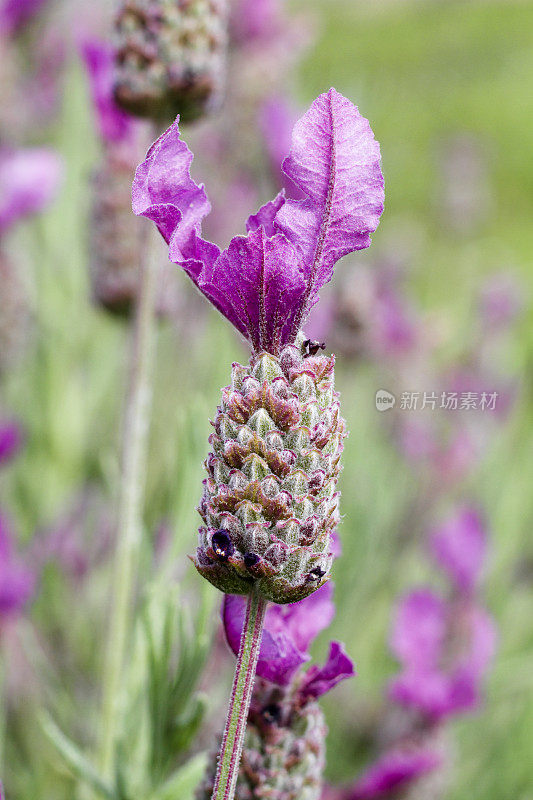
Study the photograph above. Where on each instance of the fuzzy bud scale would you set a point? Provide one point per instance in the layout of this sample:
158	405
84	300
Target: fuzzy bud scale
270	501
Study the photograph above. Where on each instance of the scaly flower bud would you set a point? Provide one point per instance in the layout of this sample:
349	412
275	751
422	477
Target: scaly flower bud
284	749
171	57
270	501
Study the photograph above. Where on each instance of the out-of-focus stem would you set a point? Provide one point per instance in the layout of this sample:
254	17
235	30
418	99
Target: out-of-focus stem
231	749
130	502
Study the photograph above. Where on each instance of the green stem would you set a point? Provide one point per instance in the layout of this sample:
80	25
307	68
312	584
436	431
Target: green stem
130	502
232	741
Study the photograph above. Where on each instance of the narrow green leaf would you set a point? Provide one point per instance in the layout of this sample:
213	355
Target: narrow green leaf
75	760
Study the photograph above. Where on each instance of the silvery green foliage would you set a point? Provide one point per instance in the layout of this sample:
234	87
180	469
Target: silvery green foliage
161	707
170	57
270	500
284	750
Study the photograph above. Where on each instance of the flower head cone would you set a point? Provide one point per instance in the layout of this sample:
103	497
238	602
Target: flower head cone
270	499
171	57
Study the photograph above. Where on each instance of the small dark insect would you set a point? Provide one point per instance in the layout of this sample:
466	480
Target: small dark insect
250	559
316	574
311	348
272	713
222	545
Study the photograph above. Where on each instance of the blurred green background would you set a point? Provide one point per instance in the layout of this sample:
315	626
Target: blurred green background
422	72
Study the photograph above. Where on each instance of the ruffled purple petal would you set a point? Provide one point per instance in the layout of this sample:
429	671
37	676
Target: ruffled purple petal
164	191
419	631
335	161
10	441
320	680
459	547
29	181
394	771
114	124
288	632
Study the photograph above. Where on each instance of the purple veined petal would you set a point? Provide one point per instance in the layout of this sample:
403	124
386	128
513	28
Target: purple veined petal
10	441
164	192
459	546
288	633
320	680
419	630
113	123
394	771
257	283
29	181
265	216
14	14
335	161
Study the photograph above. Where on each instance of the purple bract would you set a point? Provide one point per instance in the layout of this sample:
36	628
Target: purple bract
265	283
288	633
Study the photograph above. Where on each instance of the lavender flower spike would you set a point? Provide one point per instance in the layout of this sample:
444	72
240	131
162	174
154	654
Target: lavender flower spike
270	500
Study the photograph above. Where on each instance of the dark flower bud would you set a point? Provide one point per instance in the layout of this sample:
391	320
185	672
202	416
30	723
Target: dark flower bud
170	57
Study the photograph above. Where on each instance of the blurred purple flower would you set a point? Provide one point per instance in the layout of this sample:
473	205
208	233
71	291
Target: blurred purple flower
393	327
276	122
29	181
255	19
266	283
288	633
115	125
394	772
444	649
17	582
501	300
459	547
14	14
10	440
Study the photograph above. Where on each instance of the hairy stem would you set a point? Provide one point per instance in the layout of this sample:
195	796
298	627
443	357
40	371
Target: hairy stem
231	749
130	502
